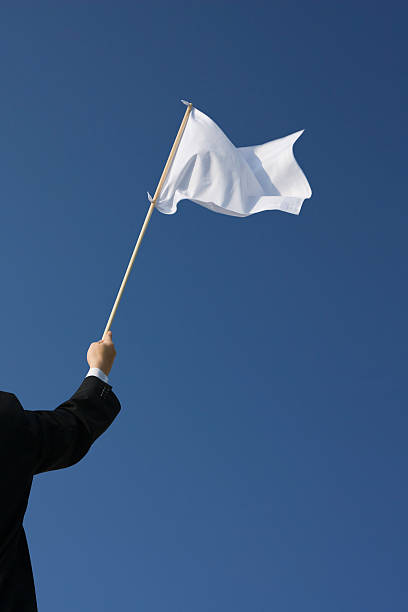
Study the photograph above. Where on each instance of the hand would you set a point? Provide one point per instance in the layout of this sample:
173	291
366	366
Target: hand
101	354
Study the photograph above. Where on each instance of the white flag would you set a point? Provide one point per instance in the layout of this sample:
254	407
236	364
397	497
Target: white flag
209	170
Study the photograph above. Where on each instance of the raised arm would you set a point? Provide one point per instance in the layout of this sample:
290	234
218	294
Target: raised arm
61	437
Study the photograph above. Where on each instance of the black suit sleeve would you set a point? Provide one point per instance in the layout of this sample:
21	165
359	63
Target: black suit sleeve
61	437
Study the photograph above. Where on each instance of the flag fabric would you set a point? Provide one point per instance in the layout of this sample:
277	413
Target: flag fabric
240	181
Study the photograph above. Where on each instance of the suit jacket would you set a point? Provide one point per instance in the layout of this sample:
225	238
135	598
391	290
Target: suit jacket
32	442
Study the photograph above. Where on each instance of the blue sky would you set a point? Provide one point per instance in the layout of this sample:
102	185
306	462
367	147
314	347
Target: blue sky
259	461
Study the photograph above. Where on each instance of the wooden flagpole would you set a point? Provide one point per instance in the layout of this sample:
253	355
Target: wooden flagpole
149	214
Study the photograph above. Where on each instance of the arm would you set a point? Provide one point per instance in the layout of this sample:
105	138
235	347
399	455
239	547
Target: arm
60	438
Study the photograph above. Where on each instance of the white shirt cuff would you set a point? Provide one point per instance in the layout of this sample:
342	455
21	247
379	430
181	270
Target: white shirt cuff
97	372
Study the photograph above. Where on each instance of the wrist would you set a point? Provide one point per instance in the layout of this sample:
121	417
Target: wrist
100	365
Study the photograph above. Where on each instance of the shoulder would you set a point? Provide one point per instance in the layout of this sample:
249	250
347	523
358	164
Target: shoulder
11	411
9	404
13	430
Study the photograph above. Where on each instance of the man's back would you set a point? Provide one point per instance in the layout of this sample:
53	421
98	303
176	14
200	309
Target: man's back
16	580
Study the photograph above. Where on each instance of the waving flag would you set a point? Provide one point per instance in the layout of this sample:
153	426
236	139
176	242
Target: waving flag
205	167
240	181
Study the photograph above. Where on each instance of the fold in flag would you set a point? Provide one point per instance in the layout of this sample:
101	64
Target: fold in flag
240	181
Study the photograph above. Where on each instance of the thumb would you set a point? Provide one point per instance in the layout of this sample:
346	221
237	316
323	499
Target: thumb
107	337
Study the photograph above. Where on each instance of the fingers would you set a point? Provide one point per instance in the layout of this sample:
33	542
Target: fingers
107	338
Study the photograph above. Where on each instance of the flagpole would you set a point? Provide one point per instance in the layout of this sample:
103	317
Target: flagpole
149	214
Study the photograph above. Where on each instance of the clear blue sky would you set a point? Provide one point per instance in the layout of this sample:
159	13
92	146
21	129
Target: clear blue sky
259	462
